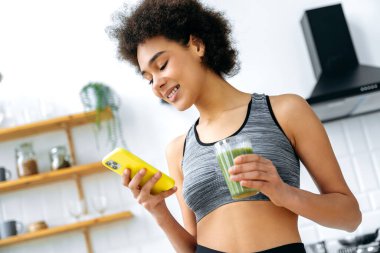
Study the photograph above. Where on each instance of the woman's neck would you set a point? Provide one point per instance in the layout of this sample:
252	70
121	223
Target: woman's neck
217	97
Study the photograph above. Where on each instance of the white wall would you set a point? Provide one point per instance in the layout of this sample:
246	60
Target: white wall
50	49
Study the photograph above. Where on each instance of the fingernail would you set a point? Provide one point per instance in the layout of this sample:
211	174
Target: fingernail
125	172
157	175
142	171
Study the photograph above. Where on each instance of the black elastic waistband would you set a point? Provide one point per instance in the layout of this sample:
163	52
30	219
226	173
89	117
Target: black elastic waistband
293	248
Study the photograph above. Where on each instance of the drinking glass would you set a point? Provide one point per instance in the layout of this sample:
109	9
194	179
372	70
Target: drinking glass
99	202
76	208
226	150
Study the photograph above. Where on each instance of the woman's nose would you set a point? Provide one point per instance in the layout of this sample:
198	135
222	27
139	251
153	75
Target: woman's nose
158	83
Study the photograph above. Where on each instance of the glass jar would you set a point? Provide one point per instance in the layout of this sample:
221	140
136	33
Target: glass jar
26	162
59	158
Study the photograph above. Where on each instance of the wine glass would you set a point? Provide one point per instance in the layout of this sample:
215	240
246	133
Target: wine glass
76	208
99	202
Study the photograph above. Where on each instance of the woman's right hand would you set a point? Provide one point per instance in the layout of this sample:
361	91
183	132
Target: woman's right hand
154	203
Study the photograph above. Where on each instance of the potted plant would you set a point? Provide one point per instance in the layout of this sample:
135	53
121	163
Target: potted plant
98	96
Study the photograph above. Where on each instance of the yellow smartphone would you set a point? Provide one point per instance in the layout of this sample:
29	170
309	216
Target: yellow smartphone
120	159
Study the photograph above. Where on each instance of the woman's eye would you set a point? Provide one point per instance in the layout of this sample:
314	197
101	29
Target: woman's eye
151	82
163	66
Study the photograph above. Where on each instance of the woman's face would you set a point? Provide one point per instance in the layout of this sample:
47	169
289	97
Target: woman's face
174	71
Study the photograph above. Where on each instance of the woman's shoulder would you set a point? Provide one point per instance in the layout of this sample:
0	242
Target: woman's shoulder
292	111
288	101
291	106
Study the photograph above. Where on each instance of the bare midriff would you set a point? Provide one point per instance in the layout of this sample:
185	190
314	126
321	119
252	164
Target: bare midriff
248	226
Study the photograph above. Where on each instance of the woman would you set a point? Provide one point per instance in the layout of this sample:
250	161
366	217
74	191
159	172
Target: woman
184	51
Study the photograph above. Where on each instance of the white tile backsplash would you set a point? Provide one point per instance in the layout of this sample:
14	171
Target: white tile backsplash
355	142
371	129
337	137
355	136
309	233
366	172
364	202
375	200
376	161
349	173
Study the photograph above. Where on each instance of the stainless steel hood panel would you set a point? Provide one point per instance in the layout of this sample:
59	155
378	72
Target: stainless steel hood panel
347	107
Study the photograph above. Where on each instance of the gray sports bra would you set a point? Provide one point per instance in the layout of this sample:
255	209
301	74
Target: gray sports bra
204	188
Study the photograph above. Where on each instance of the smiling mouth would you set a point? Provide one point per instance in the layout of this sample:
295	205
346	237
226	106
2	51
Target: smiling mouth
174	91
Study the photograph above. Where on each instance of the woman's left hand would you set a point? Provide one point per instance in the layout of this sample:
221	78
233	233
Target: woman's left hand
257	172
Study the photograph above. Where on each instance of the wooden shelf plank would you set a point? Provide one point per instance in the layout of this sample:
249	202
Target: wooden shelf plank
65	228
55	124
52	176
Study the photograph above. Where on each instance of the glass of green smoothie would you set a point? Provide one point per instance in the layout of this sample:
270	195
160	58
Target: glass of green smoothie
226	150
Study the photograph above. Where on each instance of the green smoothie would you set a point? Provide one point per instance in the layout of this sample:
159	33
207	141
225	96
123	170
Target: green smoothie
225	161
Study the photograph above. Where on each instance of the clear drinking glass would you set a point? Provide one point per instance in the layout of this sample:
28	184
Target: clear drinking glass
99	202
76	208
226	150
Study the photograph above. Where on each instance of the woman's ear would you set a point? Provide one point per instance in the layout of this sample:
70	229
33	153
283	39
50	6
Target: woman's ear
197	45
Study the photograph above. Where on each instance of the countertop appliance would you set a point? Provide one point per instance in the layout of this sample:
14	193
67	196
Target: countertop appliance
345	88
335	247
373	247
359	244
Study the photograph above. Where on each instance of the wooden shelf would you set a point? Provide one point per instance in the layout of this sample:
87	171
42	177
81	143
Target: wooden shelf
59	123
52	176
82	225
64	123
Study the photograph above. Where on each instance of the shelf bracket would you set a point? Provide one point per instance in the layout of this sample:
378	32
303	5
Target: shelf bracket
88	240
71	143
78	184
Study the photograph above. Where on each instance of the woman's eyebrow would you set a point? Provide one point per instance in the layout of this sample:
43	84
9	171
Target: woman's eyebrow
153	59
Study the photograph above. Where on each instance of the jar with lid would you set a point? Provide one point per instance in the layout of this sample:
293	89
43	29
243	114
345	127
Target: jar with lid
59	158
26	162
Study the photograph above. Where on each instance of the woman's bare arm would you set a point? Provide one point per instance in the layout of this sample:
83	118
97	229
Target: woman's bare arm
182	239
335	206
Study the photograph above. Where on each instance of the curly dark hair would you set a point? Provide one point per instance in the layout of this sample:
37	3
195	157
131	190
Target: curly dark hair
176	20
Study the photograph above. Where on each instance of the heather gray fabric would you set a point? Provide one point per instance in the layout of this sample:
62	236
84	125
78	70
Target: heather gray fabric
204	188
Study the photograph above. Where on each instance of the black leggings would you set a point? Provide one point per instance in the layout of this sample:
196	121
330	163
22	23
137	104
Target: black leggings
293	248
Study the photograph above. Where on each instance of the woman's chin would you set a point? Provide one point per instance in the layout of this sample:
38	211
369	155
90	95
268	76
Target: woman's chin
181	107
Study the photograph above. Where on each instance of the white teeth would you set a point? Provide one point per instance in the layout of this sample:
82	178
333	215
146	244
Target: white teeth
173	92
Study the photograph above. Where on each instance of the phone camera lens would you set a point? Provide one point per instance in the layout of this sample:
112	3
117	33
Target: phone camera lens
114	165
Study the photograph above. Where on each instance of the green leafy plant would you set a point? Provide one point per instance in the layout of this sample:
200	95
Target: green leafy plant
98	96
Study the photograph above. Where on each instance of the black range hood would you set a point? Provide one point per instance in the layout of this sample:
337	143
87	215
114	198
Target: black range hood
345	88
